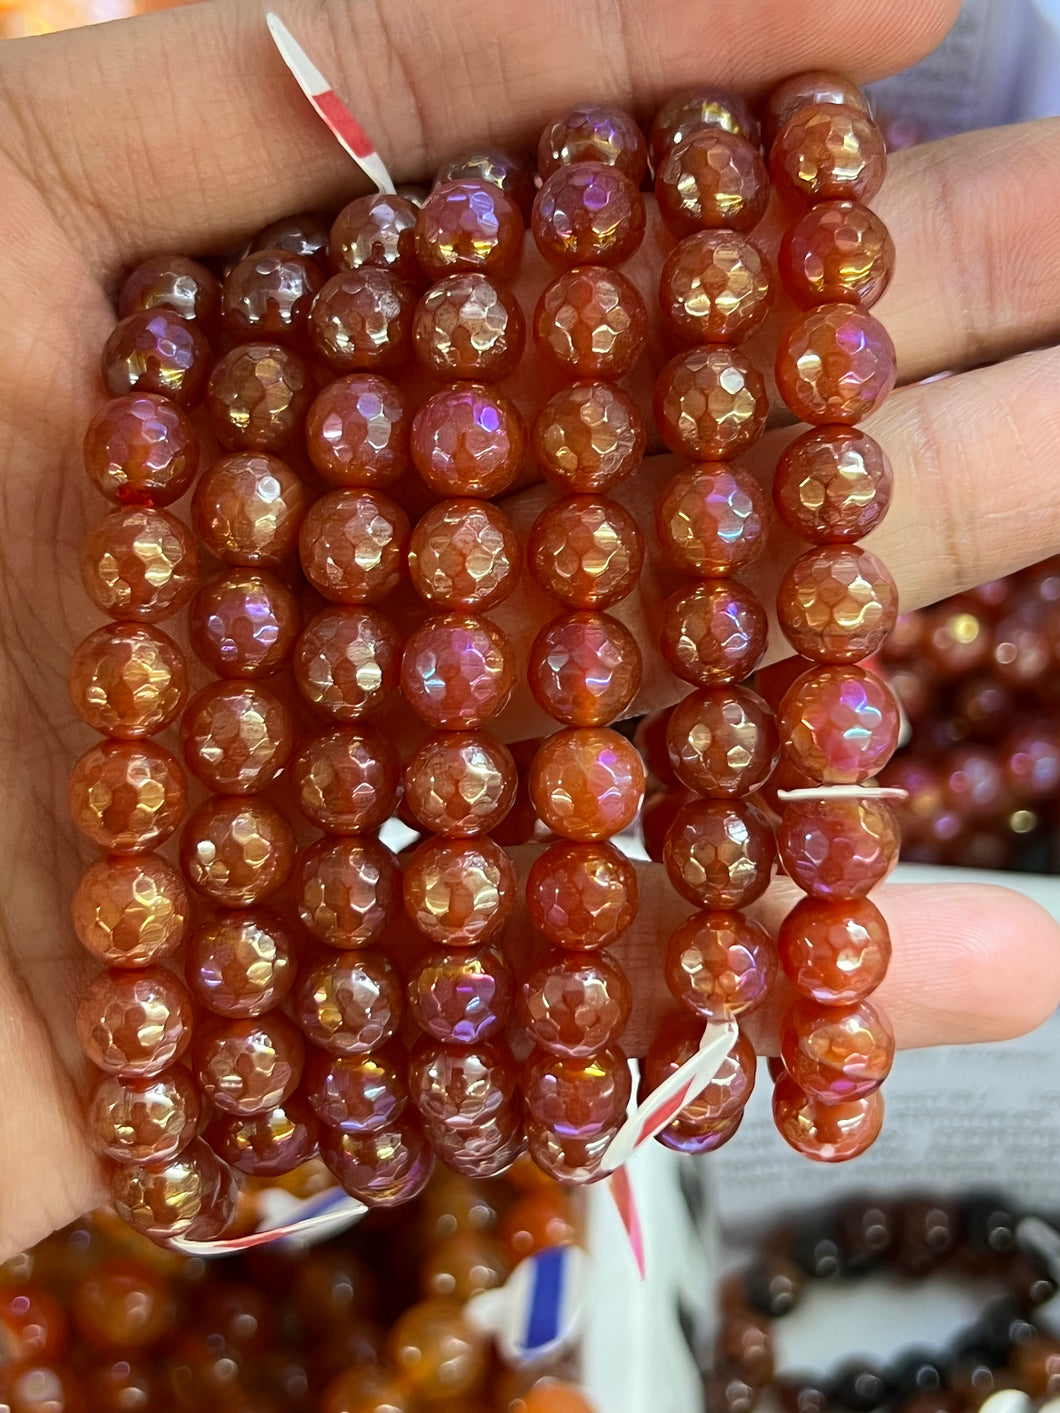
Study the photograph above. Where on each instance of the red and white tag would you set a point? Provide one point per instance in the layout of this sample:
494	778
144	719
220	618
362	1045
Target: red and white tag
286	1218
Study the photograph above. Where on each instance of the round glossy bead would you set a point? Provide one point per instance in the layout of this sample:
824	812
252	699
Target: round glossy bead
357	1093
485	1151
591	322
141	449
134	1023
714	287
269	1143
570	1161
303	234
127	796
258	398
363	319
587	783
719	853
173	282
552	1396
131	912
241	964
469	224
347	662
468	327
724	1098
594	132
128	680
715	179
464	554
722	741
695	110
493	164
236	851
834	953
353	545
833	485
350	1003
839	252
347	890
193	1195
457	671
347	780
837	364
34	1323
461	1087
366	1388
577	1098
575	1006
829	152
156	351
462	997
838	725
244	623
248	508
145	1120
249	1066
381	1169
459	892
267	296
378	230
237	737
838	848
440	1353
585	669
711	520
468	440
139	563
357	431
582	896
836	1053
837	603
713	634
589	436
586	551
460	783
463	1265
720	964
808	90
710	403
588	213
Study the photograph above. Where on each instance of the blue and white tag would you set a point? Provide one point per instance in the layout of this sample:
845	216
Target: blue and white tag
540	1307
287	1221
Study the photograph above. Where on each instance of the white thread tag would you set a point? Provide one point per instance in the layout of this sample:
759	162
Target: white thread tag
286	1218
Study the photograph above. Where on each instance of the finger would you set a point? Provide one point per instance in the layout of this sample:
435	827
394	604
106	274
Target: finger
184	129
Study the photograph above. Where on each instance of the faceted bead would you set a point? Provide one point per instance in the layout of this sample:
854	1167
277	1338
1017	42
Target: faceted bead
829	152
589	436
457	671
175	283
244	623
468	440
710	403
494	165
460	783
348	891
241	964
575	1006
127	796
715	179
570	1161
145	1120
694	111
582	896
128	680
594	132
720	853
363	319
713	634
156	351
347	780
587	783
461	997
357	1093
249	1066
130	913
468	326
237	737
591	322
720	964
461	1087
711	520
353	545
834	952
837	364
459	892
357	431
577	1098
377	230
381	1169
722	741
192	1196
833	485
134	1023
139	563
303	234
588	213
838	725
464	554
586	551
485	1151
808	90
267	296
351	1003
838	848
258	398
469	224
439	1351
836	1053
464	1265
347	662
837	603
248	508
266	1144
839	252
714	287
585	669
724	1098
141	449
236	851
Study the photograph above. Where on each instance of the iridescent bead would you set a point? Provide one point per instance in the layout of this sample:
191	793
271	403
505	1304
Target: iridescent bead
249	1066
267	296
463	996
713	634
439	1351
463	1265
357	1093
363	319
140	563
457	671
835	953
377	230
353	545
833	485
715	179
236	851
575	1006
584	669
468	440
711	520
258	398
714	288
236	737
460	783
143	1120
156	351
357	431
589	436
828	152
141	449
127	796
192	1196
591	322
464	554
303	234
587	783
710	403
244	623
248	508
346	781
482	1153
812	89
677	1040
582	896
696	110
570	1161
838	252
720	964
493	164
128	680
350	1003
381	1169
836	364
469	224
594	132
586	551
459	892
461	1087
720	853
269	1143
132	912
837	603
173	282
468	327
836	1053
838	848
134	1023
577	1098
347	662
838	725
588	213
240	964
722	741
347	890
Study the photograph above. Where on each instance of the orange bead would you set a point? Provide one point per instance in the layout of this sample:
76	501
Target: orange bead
469	224
127	796
367	1388
589	436
591	322
594	132
544	1217
838	725
551	1396
585	669
577	1098
711	520
193	1195
587	783
720	853
347	780
582	896
710	403
588	213
571	1161
485	1151
347	662
134	1023
713	634
462	1087
347	890
714	179
837	364
381	1169
468	327
464	554
141	449
357	431
468	440
266	1144
350	1003
237	851
459	892
720	964
249	1066
464	1265
248	508
156	351
139	563
357	1093
696	110
173	282
124	1304
837	603
144	1119
460	783
722	741
462	996
829	152
377	230
575	1006
724	1098
827	1133
363	319
457	671
258	398
833	485
128	680
838	251
131	912
267	295
353	545
493	164
834	952
237	737
33	1324
836	1053
586	550
808	90
244	623
241	963
714	288
440	1353
838	848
